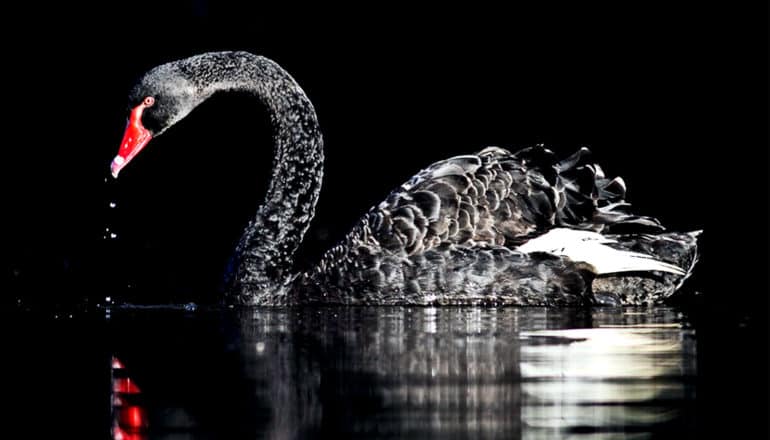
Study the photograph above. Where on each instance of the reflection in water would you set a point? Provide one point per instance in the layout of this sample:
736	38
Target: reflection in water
401	372
605	380
129	417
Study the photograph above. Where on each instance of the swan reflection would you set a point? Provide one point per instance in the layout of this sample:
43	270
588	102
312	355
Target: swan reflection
443	372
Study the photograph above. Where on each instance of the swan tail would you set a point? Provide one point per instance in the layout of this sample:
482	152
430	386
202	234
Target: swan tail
676	248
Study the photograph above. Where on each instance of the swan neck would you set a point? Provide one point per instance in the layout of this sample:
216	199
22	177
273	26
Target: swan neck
263	262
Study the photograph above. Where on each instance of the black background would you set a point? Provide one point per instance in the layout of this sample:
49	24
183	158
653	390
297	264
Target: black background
672	98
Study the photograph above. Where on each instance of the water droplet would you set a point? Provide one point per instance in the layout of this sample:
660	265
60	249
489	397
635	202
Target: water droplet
113	204
107	229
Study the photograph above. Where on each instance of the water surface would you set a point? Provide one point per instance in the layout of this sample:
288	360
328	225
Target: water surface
402	372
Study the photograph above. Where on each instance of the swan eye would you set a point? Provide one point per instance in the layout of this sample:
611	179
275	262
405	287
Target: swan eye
149	101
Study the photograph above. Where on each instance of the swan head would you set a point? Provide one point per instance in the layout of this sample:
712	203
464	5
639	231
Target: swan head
161	98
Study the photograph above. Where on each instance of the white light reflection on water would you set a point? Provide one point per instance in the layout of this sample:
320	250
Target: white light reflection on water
608	381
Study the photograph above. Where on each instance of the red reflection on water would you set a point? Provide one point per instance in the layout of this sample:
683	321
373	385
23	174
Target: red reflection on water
129	419
125	385
132	417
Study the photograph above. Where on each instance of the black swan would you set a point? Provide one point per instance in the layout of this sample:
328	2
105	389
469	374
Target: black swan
490	228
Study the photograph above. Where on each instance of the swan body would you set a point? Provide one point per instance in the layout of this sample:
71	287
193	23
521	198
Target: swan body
494	227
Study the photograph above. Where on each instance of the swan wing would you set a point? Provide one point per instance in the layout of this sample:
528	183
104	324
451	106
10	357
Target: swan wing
500	198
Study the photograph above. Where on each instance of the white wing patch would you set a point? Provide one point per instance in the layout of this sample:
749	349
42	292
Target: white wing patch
591	248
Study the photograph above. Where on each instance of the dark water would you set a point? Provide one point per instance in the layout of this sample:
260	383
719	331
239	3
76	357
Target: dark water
391	372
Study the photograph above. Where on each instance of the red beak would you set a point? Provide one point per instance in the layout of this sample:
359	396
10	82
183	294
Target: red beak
134	140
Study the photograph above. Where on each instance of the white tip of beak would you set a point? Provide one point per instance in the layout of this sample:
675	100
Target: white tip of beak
117	164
